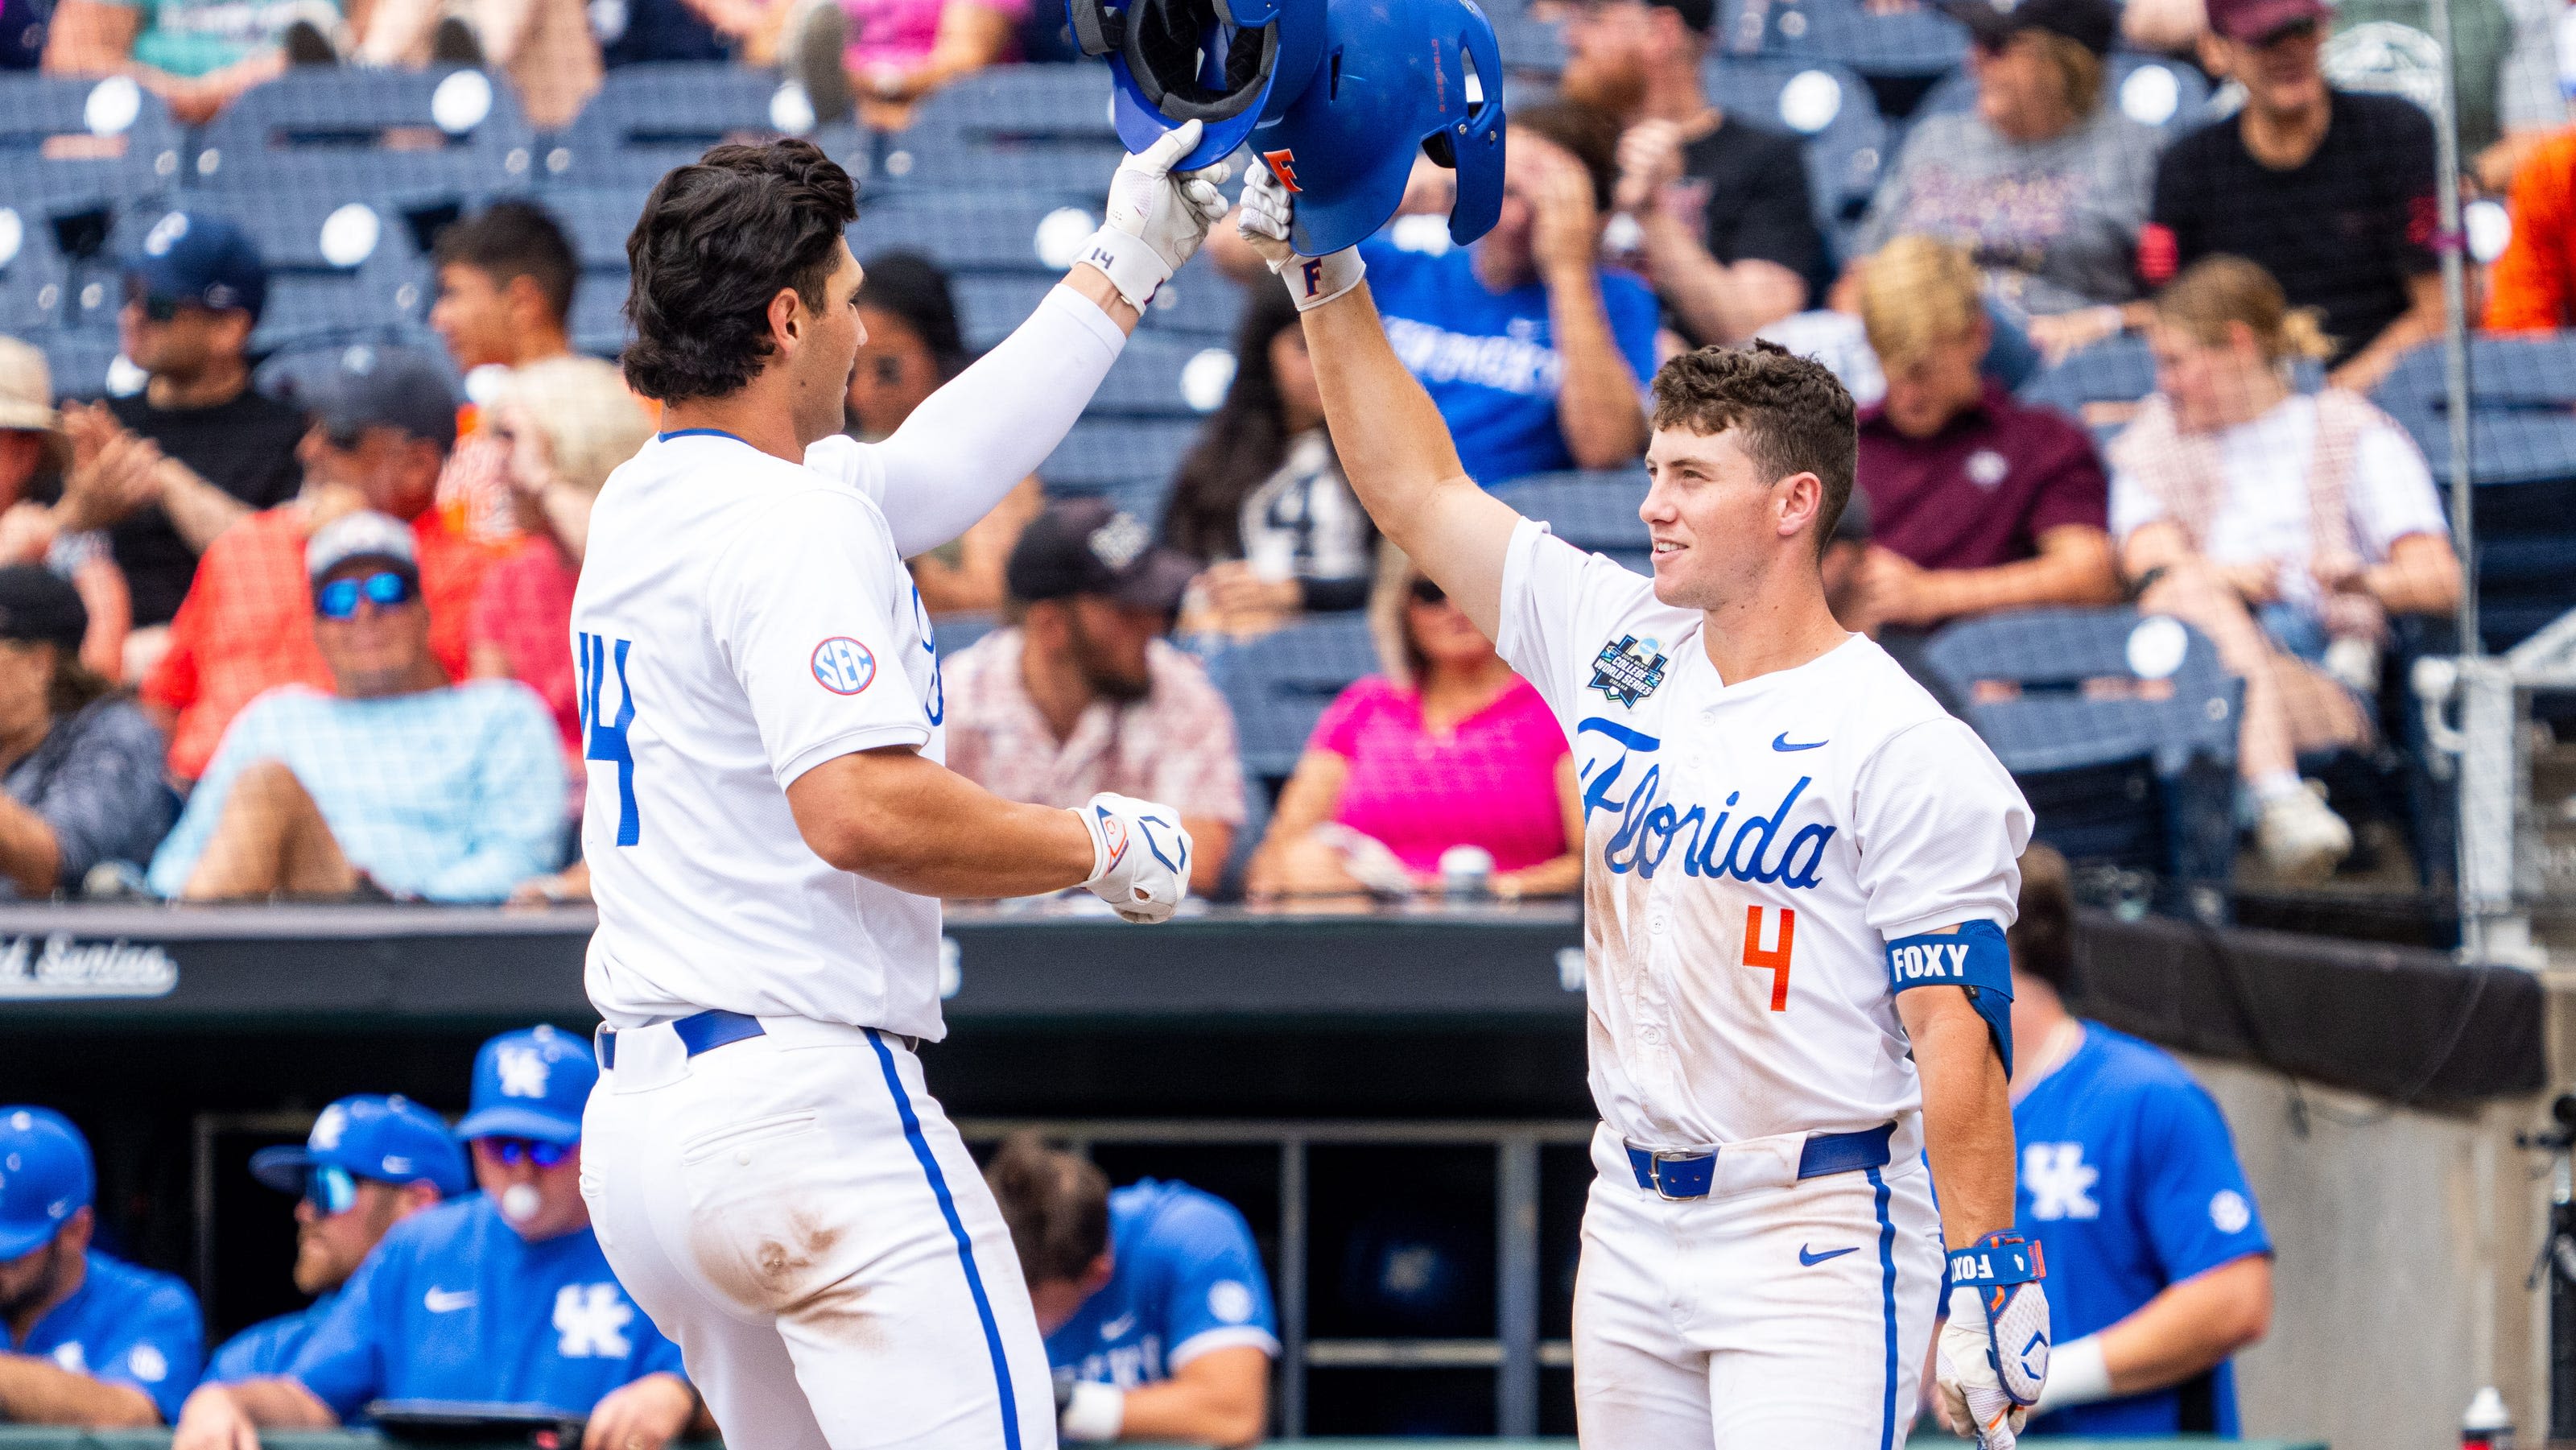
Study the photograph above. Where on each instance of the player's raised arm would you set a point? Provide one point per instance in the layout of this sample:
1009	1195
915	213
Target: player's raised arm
1393	446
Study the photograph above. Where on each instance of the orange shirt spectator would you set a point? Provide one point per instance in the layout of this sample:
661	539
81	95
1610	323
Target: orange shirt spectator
2533	285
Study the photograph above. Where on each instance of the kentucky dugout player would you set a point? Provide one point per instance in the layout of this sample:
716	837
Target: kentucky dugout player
770	828
1797	874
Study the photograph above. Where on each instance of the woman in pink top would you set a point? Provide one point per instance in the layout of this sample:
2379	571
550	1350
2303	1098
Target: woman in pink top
1447	748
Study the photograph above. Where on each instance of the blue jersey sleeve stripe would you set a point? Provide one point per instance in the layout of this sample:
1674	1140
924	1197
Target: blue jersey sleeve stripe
957	1230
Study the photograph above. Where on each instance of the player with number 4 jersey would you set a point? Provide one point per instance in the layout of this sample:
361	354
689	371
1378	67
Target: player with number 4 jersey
770	828
1797	874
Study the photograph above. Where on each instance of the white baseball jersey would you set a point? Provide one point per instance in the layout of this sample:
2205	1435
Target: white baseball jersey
1749	851
740	620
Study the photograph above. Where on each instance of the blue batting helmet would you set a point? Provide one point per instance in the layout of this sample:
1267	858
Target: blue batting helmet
1336	96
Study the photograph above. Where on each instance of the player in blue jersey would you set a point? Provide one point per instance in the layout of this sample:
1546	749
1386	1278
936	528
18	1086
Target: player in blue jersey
1155	1309
2158	1266
369	1163
84	1339
500	1298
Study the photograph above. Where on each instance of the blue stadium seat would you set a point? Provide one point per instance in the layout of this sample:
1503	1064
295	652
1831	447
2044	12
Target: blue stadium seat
649	118
339	271
1164	377
1533	48
596	220
1279	684
454	136
71	144
1595	512
1127	460
1199	301
83	365
1916	42
980	231
2143	783
2117	370
1828	107
35	277
1041	129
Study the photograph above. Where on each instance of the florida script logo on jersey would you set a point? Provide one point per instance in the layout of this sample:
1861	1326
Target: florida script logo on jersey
1628	671
1650	826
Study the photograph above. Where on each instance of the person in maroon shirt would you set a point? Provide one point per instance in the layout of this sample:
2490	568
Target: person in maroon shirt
1977	503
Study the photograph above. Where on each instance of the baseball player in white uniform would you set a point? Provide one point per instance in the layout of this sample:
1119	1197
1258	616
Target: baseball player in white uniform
770	828
1797	874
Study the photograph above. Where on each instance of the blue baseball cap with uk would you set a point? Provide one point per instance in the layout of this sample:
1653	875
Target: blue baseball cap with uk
199	258
45	1178
389	1139
530	1084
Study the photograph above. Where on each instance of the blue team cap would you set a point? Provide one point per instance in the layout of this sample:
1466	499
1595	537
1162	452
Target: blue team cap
196	257
530	1084
390	1139
45	1178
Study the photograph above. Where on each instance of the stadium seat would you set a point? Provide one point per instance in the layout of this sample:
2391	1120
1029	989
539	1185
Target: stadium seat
1164	377
1279	684
597	221
85	365
339	271
1595	512
1127	460
1533	48
70	144
1037	129
2114	777
649	118
980	231
2117	370
1199	301
455	136
1919	41
1828	107
35	277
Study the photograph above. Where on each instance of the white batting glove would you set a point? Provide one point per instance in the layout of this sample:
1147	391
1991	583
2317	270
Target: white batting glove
1140	856
1268	210
1154	219
1993	1359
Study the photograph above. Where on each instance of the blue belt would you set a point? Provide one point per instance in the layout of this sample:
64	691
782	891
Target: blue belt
699	1032
1690	1175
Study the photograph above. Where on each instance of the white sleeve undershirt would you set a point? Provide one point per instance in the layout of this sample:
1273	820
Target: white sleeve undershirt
972	441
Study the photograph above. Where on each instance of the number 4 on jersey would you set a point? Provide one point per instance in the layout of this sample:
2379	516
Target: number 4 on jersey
605	740
1774	959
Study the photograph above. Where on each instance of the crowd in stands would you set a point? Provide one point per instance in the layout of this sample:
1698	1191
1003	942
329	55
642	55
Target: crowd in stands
334	606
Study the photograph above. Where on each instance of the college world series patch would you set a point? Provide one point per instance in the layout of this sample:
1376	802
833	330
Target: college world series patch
1628	671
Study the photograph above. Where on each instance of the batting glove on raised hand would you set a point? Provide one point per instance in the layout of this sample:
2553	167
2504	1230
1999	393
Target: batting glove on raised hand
1140	856
1268	211
1155	219
1994	1350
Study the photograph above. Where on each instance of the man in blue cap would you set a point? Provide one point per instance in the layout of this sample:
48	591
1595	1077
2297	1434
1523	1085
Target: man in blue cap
499	1298
370	1163
167	469
88	1340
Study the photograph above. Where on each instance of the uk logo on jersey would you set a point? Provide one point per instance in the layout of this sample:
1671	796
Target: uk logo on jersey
1628	671
2060	1182
591	1320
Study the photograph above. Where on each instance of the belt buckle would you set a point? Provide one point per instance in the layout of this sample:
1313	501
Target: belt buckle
1655	1171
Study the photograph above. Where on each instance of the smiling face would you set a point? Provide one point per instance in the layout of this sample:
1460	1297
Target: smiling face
1717	524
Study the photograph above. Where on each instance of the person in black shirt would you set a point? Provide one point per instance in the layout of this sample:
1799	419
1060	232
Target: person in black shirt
2331	192
166	470
1730	238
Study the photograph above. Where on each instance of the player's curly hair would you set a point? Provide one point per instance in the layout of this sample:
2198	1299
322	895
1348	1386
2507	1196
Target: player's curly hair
1056	1205
718	239
1794	414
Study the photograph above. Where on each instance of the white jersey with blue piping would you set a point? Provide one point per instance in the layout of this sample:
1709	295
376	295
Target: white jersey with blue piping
740	620
1749	852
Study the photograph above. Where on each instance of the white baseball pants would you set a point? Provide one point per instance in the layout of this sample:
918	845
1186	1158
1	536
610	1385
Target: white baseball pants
1776	1311
796	1212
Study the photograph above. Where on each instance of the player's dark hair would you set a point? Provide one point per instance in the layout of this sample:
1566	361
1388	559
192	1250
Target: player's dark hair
1056	1205
1592	137
1794	414
718	239
509	240
2042	937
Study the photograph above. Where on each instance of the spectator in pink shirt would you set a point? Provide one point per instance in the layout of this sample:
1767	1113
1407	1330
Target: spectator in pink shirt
883	55
1447	748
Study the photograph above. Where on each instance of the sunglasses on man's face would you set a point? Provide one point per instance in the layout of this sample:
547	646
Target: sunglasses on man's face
514	1151
330	1189
384	589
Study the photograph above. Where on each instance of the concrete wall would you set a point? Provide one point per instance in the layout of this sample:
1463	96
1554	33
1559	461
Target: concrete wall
2403	1240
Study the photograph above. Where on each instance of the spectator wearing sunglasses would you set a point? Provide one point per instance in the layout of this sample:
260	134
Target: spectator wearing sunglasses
1447	748
499	1298
167	470
85	1339
392	785
369	1163
384	420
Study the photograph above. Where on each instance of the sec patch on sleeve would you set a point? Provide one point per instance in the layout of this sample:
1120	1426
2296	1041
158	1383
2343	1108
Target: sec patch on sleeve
844	666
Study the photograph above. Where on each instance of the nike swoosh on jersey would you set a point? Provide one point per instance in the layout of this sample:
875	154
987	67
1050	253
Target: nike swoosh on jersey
447	1301
1810	1258
1118	1326
1781	742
